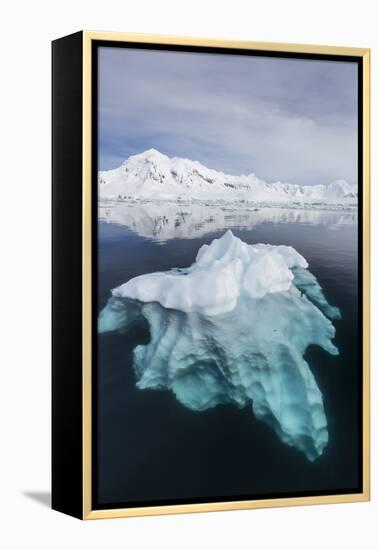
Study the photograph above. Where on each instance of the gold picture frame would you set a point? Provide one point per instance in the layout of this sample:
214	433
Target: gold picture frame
84	46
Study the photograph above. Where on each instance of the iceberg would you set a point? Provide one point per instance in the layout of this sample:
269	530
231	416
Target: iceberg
233	329
221	273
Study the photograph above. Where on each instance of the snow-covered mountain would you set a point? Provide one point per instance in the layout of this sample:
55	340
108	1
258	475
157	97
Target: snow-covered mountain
154	176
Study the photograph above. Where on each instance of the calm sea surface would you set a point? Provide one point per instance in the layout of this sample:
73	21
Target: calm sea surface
152	448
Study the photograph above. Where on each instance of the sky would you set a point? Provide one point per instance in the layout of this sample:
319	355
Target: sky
286	120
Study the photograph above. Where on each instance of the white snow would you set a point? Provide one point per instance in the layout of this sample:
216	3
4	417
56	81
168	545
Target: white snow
222	271
154	176
235	333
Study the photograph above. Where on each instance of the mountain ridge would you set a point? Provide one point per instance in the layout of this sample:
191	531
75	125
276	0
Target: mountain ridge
154	176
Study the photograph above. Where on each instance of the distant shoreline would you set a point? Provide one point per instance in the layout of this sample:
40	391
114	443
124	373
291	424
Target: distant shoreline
232	205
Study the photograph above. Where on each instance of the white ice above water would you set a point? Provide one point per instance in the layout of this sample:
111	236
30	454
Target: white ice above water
233	328
223	271
154	176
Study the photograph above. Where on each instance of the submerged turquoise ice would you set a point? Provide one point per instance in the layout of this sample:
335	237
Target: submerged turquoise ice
233	328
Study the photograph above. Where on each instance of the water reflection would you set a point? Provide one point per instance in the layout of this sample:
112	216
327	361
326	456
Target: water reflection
170	220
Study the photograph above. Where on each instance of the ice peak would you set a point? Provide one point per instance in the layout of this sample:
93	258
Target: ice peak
153	154
227	240
228	236
150	155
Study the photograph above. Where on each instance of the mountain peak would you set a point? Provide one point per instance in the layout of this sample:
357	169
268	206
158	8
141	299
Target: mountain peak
152	154
155	176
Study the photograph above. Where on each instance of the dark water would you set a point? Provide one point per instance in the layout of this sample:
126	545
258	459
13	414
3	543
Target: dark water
151	448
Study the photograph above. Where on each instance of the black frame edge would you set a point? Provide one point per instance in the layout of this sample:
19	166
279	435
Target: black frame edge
67	132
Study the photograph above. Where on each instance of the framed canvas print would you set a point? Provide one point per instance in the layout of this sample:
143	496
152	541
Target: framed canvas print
210	275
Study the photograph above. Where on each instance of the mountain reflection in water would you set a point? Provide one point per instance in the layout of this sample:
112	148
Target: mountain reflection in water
161	222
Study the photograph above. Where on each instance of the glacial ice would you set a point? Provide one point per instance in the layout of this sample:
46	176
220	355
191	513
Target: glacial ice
222	271
233	328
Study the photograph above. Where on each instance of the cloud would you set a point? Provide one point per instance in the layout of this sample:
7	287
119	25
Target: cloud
283	119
